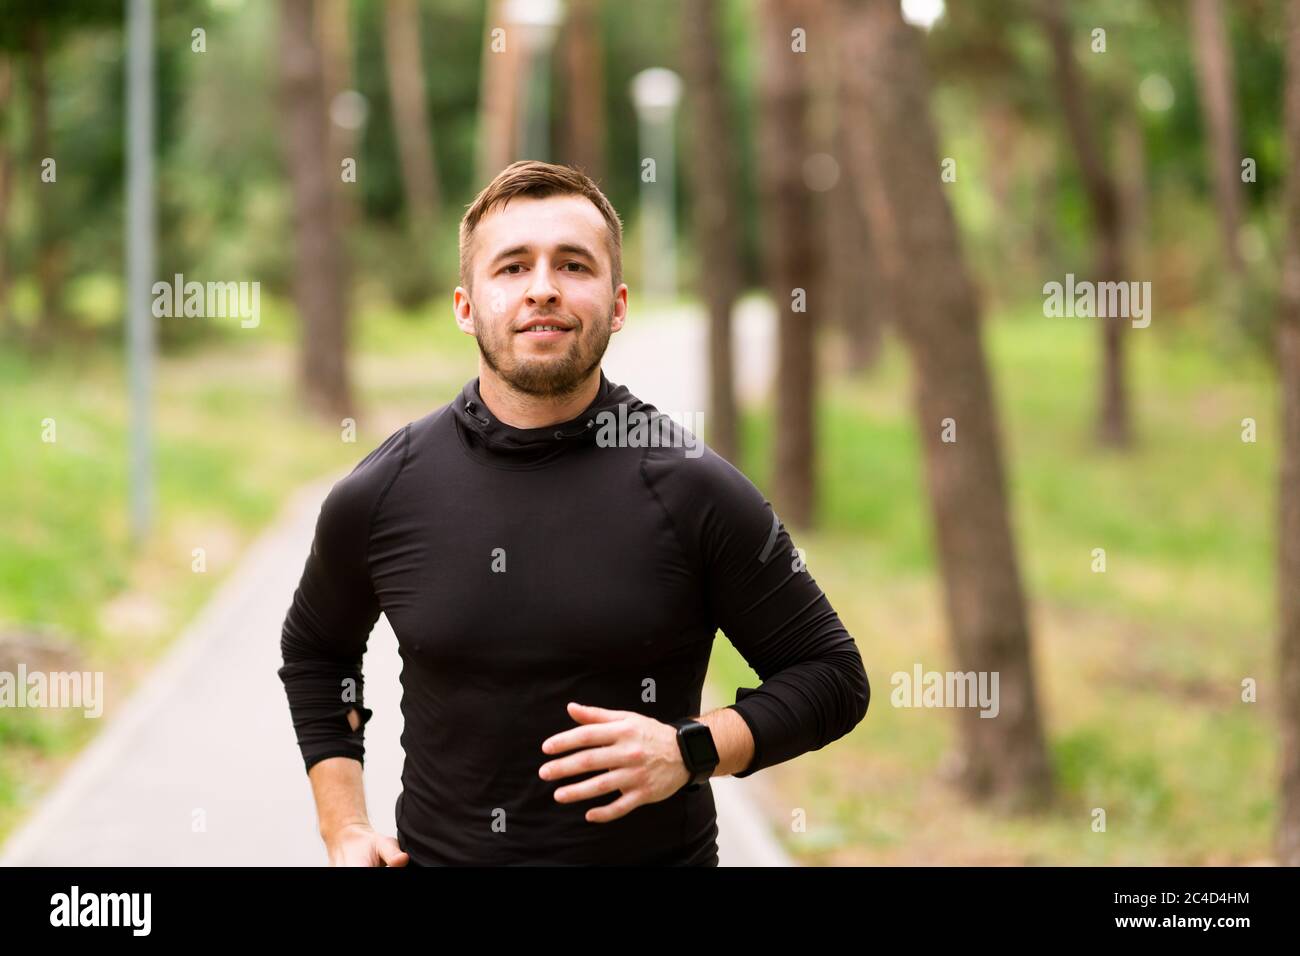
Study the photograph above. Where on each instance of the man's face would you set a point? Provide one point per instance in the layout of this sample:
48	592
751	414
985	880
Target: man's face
542	262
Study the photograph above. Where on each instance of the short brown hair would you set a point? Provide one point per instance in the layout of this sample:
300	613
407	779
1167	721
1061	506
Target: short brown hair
535	179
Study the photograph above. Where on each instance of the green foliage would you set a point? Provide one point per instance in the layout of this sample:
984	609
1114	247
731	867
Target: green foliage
224	207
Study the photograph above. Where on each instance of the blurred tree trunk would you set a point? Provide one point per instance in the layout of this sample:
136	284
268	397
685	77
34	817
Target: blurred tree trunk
6	185
49	269
336	61
792	250
584	114
320	280
714	211
1134	191
1004	760
1288	579
857	302
1213	56
410	114
1045	185
1003	136
498	94
1113	425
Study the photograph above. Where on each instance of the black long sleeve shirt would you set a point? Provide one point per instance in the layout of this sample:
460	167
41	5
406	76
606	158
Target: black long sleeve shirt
524	568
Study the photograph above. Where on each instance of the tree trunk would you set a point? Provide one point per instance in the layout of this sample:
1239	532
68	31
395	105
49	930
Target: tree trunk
1000	132
1218	108
1133	188
499	94
1046	183
336	62
714	211
792	251
410	114
857	302
1113	425
1288	579
1003	760
584	115
859	299
320	283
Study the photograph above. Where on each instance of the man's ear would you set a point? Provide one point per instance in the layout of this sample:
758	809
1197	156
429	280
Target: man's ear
620	308
463	309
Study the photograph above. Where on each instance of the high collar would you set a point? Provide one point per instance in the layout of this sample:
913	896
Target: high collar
494	441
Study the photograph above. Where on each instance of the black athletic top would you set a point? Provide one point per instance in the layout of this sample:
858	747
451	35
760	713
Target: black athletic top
524	568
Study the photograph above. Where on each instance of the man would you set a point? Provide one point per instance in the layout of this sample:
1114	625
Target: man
555	597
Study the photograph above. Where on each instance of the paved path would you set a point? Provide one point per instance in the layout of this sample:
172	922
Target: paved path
201	766
663	358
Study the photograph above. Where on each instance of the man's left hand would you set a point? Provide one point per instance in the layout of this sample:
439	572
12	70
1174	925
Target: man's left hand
640	754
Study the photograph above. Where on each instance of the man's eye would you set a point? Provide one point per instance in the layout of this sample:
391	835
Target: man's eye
578	264
513	265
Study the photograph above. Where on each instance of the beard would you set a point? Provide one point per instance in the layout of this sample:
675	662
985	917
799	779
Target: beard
555	374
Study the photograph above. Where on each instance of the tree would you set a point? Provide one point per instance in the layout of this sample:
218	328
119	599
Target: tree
1004	760
584	114
320	280
410	115
1288	579
499	94
791	248
715	211
336	66
1113	424
1218	107
857	302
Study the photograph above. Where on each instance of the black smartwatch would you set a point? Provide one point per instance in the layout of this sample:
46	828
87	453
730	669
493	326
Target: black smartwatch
698	752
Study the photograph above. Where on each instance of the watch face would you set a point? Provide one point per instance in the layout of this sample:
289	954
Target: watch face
699	744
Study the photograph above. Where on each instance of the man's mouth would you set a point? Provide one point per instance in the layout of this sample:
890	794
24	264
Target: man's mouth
544	330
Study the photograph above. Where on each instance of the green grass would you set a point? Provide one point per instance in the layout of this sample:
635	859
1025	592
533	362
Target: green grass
230	445
1139	668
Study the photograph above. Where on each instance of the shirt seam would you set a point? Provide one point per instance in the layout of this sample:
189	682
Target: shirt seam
694	558
370	522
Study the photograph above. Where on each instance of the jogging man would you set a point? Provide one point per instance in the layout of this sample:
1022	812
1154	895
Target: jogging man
555	582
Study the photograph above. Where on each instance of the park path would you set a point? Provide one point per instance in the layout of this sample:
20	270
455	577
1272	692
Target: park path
200	767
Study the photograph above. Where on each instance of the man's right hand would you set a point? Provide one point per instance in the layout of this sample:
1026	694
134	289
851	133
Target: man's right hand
357	844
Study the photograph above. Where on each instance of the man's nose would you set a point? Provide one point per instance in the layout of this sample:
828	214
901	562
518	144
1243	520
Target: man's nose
542	291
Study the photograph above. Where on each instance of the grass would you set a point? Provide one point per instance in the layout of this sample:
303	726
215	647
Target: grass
1139	669
230	445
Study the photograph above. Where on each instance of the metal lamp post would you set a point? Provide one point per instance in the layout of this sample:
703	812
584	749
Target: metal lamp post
140	219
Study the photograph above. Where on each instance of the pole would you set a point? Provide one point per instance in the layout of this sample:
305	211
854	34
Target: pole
140	259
